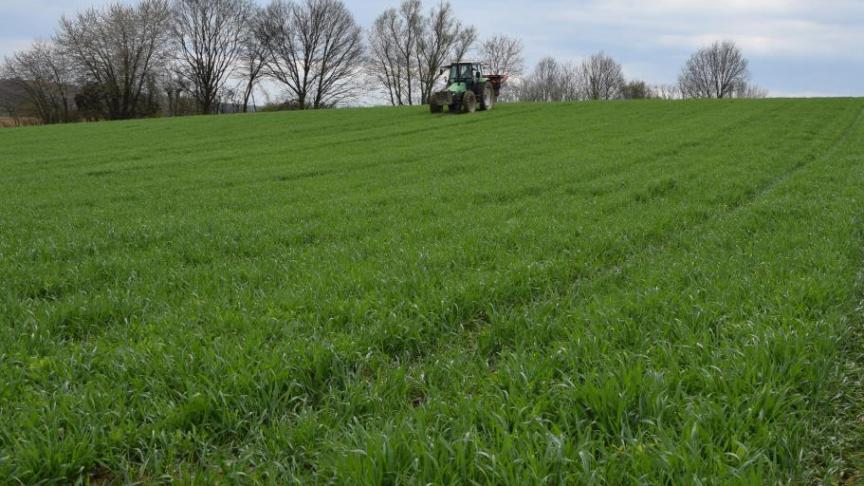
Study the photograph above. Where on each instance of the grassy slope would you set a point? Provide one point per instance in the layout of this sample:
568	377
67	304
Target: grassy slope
626	291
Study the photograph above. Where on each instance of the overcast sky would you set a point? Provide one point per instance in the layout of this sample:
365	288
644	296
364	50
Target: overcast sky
796	47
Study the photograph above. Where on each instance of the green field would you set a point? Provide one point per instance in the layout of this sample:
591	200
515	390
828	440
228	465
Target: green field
626	292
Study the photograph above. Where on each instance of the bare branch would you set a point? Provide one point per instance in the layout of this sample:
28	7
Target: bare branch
503	55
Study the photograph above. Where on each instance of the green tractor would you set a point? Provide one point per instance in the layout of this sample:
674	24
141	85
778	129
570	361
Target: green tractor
469	88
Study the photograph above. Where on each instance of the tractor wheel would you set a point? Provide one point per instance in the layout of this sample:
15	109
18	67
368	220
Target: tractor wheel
487	97
436	108
469	102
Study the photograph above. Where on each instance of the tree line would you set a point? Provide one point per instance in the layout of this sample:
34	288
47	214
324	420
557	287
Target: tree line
176	57
716	71
188	57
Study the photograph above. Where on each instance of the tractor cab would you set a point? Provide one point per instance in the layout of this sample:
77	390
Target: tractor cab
464	73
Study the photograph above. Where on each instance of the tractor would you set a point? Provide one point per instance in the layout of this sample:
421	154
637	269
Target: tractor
469	88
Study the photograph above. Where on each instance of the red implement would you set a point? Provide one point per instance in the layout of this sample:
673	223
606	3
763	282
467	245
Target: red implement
497	81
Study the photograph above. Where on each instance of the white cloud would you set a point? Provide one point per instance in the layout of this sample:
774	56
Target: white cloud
766	28
788	38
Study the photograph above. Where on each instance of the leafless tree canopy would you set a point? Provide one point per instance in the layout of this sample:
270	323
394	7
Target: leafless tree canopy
636	90
714	72
253	56
550	81
118	48
503	55
596	78
571	83
465	41
393	42
545	82
749	90
385	64
314	49
666	91
208	38
43	75
601	77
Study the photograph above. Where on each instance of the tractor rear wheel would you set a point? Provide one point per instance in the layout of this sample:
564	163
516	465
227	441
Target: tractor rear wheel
469	102
487	97
436	108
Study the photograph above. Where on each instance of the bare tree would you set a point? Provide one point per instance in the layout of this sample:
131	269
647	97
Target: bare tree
11	96
175	88
636	90
208	36
749	90
570	82
551	81
253	56
392	48
42	75
386	65
666	91
340	55
544	84
503	55
714	72
314	48
118	48
601	77
443	38
405	30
